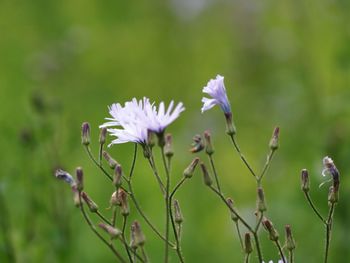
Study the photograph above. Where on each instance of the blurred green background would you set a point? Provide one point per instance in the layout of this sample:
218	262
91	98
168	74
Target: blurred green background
285	63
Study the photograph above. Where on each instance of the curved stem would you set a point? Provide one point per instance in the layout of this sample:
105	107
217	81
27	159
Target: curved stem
251	230
176	234
246	258
328	231
103	218
242	156
166	199
214	171
291	256
100	154
93	228
308	197
239	234
278	245
88	150
152	163
124	239
266	166
134	200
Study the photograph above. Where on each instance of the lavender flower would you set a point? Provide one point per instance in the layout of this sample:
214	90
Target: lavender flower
137	118
216	89
65	176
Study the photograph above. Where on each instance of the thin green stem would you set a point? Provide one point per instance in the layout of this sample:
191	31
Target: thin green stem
266	166
100	155
167	209
246	258
103	218
328	231
258	224
93	228
214	171
243	157
155	171
309	200
239	234
176	234
278	245
124	239
251	230
291	256
144	254
114	216
88	150
137	205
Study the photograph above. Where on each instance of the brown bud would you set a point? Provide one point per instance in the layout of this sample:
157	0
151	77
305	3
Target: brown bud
111	231
274	142
305	183
111	162
248	248
230	127
177	211
90	203
124	204
80	179
168	148
85	133
209	149
206	177
290	243
103	134
188	173
233	209
118	176
260	201
137	236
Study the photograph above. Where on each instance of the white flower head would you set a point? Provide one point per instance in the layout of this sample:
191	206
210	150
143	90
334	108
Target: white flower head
137	118
216	89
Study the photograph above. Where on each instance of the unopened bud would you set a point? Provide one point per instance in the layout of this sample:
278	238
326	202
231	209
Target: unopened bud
248	248
230	127
90	203
111	162
64	176
85	133
274	142
333	195
118	176
273	234
189	171
177	212
76	198
305	183
137	236
161	139
209	149
124	204
114	201
290	243
197	144
260	201
111	231
206	177
168	148
103	134
80	179
232	210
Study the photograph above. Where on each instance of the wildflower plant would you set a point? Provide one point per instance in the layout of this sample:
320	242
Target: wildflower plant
144	124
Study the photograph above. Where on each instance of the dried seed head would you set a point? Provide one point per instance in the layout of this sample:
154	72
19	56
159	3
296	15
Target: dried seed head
90	203
114	201
274	142
189	171
124	204
64	176
206	177
305	183
111	231
85	133
137	236
111	162
80	179
197	144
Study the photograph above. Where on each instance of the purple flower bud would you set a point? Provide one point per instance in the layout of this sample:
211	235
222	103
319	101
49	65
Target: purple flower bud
305	183
90	203
168	148
137	236
290	243
248	248
273	234
65	176
80	179
111	231
85	133
118	176
103	135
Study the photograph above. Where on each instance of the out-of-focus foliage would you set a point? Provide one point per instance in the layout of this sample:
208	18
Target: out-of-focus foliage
285	63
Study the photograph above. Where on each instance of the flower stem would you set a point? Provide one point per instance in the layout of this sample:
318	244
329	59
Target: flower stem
124	239
93	228
155	171
176	234
103	218
291	256
167	209
328	226
242	156
246	258
88	150
308	198
214	171
266	166
239	234
278	245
